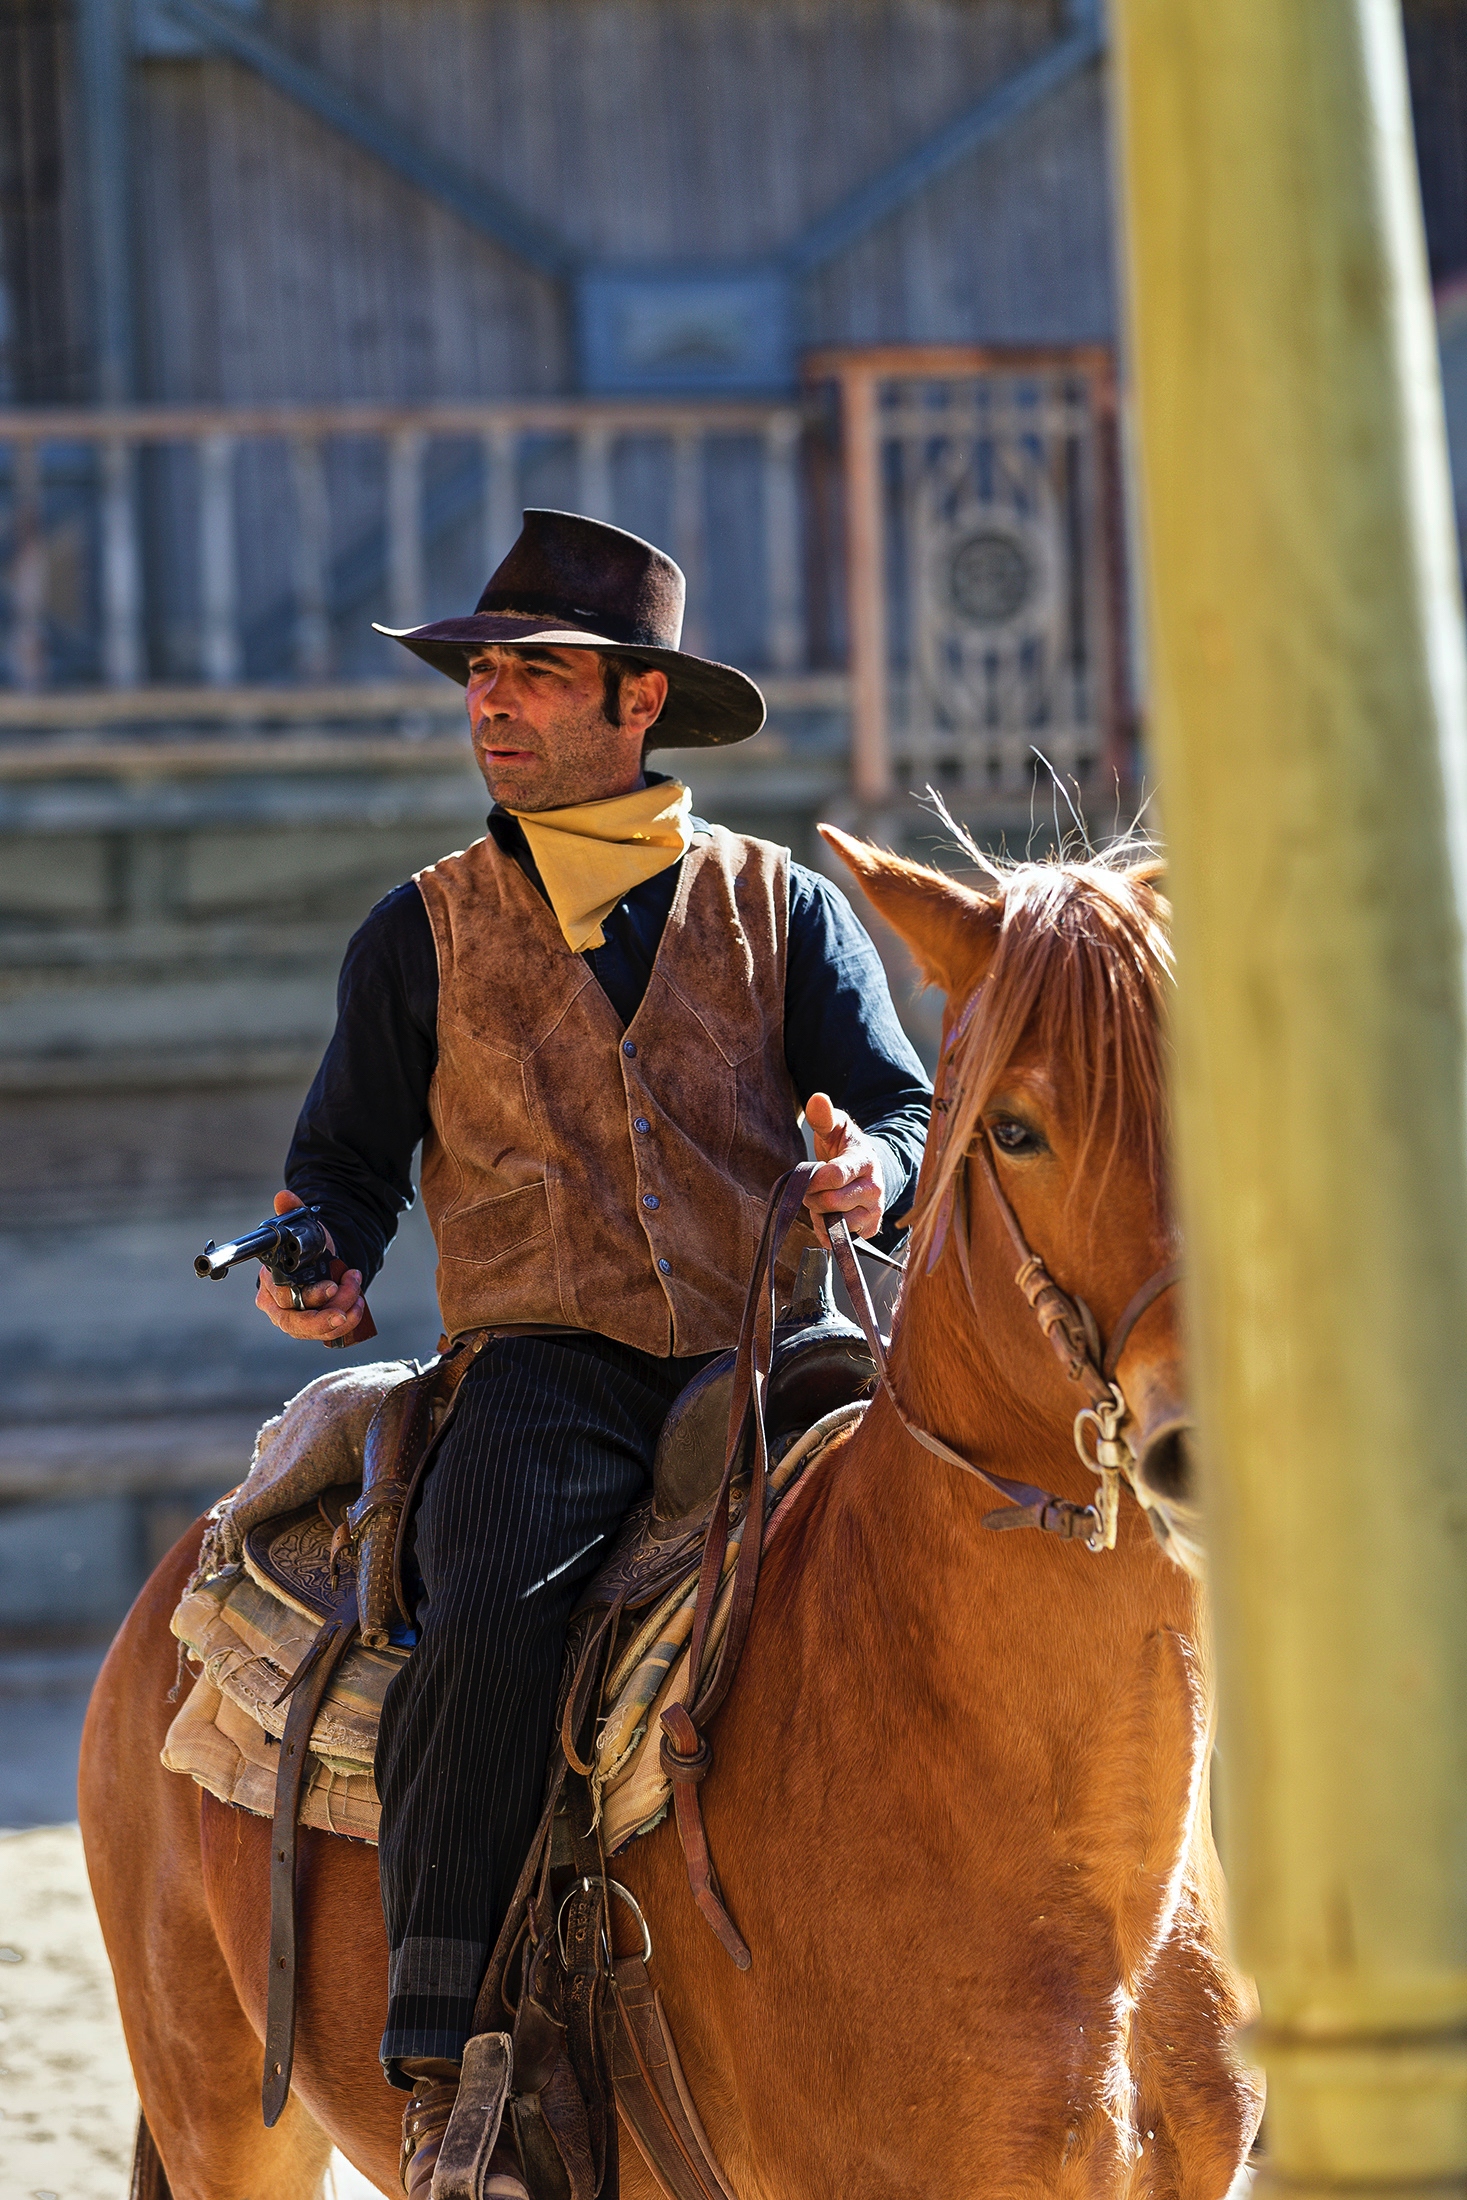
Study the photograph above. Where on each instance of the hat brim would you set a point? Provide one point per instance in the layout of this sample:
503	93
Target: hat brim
708	705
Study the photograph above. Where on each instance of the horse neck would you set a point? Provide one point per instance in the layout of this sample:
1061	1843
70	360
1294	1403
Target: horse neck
951	1383
905	1583
911	1526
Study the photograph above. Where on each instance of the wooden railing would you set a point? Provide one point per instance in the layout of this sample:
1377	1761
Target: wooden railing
186	561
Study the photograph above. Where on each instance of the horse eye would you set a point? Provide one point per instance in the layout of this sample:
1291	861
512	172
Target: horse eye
1012	1137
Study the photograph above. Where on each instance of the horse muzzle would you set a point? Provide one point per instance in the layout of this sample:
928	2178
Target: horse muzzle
1164	1466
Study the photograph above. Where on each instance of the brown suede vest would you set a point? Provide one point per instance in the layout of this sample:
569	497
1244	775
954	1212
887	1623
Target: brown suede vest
577	1173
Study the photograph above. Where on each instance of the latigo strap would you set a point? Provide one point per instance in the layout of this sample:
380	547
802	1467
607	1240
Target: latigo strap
307	1690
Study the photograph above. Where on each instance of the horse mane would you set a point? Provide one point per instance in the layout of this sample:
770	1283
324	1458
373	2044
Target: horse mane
1083	968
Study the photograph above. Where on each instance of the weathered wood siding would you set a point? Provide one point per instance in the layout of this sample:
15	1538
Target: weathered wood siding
278	262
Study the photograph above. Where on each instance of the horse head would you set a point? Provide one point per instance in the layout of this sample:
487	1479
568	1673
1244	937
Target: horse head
1048	1141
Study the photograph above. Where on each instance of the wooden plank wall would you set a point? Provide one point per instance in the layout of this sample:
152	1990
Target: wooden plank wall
278	262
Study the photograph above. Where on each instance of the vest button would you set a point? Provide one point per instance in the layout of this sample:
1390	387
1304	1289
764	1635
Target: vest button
629	1047
665	1266
650	1199
640	1123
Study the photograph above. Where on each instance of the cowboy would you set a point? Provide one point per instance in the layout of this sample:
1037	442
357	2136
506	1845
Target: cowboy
602	1021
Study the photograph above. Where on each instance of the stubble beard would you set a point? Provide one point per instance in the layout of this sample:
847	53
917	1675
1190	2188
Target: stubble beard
570	764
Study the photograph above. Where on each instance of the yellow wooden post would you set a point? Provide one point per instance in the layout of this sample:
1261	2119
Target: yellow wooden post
1308	685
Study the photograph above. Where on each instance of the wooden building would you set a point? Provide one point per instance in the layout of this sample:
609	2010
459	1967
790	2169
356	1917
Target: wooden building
302	301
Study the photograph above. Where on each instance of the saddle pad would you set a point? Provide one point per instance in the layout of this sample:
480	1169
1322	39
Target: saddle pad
630	1788
250	1641
220	1746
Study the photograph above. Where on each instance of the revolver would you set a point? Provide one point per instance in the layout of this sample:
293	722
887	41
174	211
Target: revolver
295	1249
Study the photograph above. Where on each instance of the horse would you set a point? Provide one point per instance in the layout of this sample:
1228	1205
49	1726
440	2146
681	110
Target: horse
959	1799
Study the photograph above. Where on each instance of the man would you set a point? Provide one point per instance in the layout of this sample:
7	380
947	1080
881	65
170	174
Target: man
601	1021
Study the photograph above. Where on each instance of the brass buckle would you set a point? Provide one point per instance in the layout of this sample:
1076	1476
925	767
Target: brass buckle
1108	1463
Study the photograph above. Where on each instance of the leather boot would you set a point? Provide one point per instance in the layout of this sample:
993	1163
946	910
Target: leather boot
424	2121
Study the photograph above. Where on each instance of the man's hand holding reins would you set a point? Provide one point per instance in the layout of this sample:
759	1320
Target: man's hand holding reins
850	1181
333	1309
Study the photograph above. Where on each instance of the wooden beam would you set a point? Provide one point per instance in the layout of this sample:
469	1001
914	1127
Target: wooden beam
1308	677
489	211
531	415
979	124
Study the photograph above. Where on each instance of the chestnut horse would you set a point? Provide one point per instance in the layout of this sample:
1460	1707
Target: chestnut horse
959	1800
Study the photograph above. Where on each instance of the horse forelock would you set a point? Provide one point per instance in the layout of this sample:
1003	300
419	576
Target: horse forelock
1079	973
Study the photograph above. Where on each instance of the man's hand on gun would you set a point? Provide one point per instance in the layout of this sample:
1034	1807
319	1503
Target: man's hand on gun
333	1309
850	1181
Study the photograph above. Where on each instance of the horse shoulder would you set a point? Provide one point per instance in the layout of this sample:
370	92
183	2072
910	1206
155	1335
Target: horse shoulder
1126	1820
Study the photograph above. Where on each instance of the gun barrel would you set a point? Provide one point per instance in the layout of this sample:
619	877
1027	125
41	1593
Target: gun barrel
286	1243
216	1260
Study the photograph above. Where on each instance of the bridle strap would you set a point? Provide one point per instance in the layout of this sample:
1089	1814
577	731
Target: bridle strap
1136	1306
1027	1506
1073	1338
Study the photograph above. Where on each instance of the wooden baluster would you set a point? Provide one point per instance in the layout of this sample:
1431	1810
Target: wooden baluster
219	650
122	577
405	526
501	495
593	464
312	537
28	568
687	529
866	587
786	647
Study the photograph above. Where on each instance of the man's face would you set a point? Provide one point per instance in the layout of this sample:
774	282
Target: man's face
540	731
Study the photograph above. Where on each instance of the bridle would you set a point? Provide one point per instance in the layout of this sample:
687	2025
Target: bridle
1074	1337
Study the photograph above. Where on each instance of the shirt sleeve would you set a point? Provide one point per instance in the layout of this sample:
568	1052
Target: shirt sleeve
842	1035
352	1152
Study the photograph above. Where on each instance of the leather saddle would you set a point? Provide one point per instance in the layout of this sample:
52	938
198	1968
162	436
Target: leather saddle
819	1362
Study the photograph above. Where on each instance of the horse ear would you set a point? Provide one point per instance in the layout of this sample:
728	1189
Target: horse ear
951	930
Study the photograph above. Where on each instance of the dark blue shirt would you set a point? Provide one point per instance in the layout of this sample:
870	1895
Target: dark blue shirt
368	1107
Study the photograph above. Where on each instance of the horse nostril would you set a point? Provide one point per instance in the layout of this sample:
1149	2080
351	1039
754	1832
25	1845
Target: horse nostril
1166	1465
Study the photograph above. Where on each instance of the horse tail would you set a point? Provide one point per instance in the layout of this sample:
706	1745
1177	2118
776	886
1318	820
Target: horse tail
149	2177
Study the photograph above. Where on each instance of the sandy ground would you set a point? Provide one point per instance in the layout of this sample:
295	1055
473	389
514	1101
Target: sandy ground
67	2106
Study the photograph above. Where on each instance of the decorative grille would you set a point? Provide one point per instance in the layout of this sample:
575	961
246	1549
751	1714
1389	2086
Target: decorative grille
984	577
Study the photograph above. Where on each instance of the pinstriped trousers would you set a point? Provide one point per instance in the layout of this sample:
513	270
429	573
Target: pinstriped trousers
551	1442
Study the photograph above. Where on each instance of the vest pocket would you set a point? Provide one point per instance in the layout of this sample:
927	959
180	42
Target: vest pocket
493	1228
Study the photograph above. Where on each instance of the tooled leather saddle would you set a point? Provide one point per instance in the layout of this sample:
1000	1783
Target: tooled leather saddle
587	2031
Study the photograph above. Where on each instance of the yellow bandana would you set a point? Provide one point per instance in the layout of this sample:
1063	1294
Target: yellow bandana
592	853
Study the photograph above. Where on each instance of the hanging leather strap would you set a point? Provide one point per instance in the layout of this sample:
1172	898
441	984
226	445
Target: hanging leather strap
307	1692
400	1437
685	1751
652	2092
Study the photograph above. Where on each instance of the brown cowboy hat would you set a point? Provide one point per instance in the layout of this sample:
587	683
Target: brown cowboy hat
575	583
